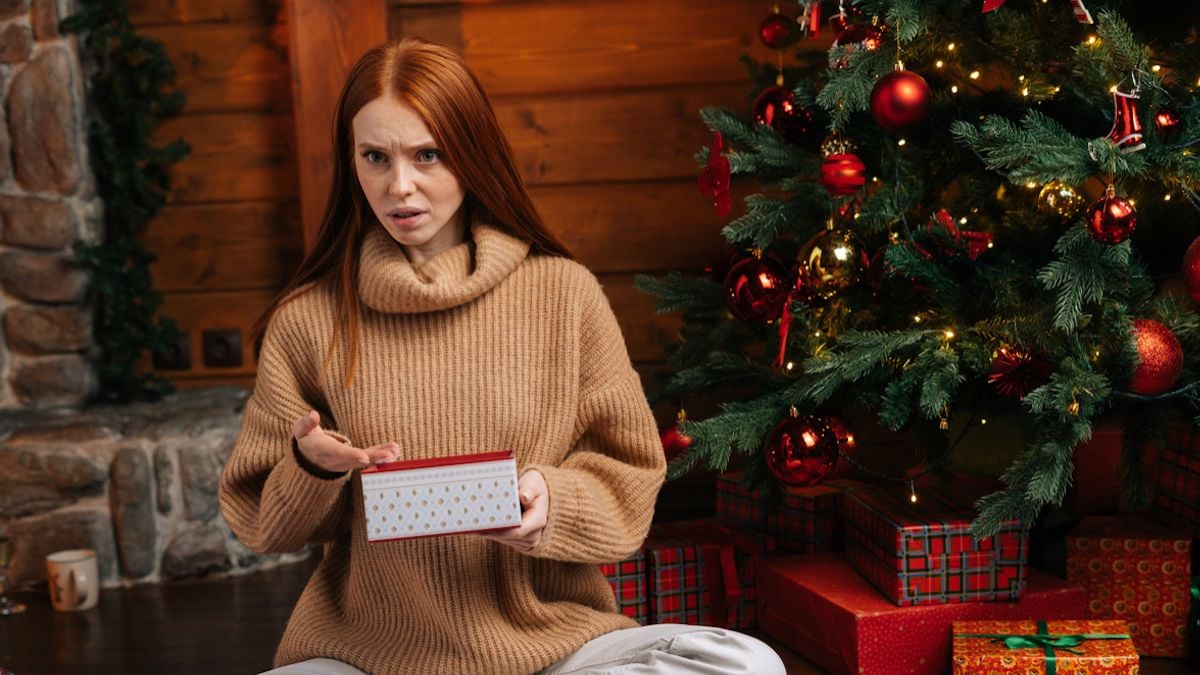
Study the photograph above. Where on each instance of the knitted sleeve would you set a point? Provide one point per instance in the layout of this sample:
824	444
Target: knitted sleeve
602	495
272	503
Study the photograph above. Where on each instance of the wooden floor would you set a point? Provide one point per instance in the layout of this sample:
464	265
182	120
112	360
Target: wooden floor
229	627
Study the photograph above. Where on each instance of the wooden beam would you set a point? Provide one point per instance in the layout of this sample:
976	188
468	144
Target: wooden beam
327	37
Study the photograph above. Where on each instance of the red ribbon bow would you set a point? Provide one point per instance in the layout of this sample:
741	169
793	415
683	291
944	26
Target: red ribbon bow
976	242
714	180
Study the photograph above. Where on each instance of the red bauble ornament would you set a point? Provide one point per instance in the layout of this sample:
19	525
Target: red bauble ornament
1111	219
860	36
1160	358
776	107
900	100
843	174
802	450
1191	269
756	289
674	443
1015	372
776	31
1168	125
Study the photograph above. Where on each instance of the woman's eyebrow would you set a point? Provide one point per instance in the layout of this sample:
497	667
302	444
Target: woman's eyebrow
367	145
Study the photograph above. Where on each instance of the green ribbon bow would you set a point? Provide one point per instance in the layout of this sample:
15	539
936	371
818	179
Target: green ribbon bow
1048	641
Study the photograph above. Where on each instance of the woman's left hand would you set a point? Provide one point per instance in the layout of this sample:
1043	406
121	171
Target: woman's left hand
535	506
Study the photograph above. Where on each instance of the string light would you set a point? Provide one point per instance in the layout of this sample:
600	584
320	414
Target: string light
901	142
1155	68
982	421
1031	185
949	334
790	365
962	221
974	75
939	63
950	47
1112	89
817	334
1024	91
954	89
1167	197
917	318
1092	40
912	492
1021	78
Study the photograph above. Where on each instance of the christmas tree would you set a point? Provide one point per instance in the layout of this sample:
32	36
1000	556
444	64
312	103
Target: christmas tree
966	209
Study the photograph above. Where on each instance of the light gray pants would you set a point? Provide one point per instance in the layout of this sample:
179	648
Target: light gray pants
662	648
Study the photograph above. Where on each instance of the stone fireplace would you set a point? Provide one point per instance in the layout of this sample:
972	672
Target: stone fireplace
137	483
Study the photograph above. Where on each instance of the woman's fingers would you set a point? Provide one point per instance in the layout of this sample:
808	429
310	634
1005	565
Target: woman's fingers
304	425
384	452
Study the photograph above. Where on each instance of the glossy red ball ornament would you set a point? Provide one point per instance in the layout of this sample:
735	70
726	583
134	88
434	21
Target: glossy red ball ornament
1160	358
843	174
1191	269
802	450
777	108
1111	219
776	31
1168	125
900	100
674	443
756	289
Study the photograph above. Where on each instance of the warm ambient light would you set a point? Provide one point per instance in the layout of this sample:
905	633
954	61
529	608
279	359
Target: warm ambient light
949	334
950	47
974	75
954	89
939	63
901	142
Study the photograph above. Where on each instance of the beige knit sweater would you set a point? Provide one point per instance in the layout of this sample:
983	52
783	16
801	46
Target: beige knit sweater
481	348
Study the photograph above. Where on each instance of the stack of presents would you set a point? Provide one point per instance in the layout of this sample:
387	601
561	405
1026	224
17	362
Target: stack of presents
860	578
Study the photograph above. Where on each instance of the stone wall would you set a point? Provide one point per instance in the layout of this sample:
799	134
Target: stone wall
47	202
137	483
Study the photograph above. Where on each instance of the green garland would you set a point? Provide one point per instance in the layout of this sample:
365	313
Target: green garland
128	96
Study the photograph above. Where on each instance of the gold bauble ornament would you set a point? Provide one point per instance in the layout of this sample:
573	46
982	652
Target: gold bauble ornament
828	264
1059	199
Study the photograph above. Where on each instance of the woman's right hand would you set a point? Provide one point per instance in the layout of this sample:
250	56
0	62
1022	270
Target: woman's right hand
327	453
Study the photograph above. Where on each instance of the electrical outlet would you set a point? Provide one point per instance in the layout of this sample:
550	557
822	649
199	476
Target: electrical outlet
223	348
178	355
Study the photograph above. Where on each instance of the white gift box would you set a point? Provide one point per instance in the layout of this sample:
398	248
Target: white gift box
420	498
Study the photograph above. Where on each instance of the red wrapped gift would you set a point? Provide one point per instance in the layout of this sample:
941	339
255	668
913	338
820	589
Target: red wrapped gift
628	581
1043	648
1138	572
703	573
924	552
820	607
802	520
1177	497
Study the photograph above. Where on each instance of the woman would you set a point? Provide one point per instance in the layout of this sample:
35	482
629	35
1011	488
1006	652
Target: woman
436	316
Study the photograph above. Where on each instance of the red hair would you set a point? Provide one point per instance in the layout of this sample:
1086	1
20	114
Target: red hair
437	83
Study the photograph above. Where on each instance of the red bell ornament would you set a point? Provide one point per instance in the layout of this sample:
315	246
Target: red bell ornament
775	31
674	443
900	100
1160	358
777	108
802	450
1126	132
1111	219
843	174
1191	269
756	289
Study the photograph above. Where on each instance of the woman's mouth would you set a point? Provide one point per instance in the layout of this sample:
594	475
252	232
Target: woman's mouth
405	217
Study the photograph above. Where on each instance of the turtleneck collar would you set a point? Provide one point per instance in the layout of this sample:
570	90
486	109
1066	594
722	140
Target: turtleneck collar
388	282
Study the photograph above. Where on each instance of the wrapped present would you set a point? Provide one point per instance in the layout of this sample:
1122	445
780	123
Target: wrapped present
1138	572
1177	493
420	498
820	607
924	552
701	572
628	581
1026	647
801	519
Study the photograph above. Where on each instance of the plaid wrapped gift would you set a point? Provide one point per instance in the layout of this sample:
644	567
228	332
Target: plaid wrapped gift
1037	647
804	520
1177	497
703	573
1138	572
819	606
628	581
924	553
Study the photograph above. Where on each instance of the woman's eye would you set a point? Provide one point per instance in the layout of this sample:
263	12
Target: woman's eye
374	156
429	155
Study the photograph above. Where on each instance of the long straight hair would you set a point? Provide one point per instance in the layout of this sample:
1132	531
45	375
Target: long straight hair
437	83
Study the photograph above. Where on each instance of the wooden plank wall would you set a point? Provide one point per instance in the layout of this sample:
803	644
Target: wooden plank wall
600	100
229	235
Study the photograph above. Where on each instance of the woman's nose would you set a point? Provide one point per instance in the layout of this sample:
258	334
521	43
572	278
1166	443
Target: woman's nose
401	182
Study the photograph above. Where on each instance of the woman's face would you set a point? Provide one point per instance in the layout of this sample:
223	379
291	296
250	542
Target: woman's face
408	185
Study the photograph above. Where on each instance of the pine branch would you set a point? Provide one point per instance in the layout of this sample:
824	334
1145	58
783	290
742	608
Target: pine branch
1082	274
857	354
1040	149
677	291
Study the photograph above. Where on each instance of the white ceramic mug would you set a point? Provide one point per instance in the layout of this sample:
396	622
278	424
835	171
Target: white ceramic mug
74	578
